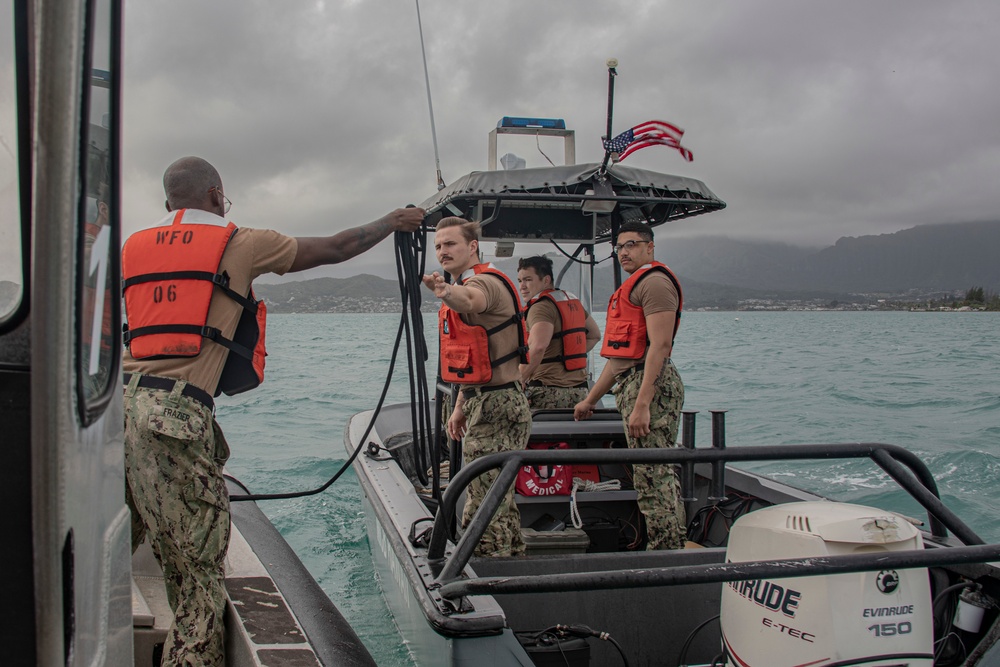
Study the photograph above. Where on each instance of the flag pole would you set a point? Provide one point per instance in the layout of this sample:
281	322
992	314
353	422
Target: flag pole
612	73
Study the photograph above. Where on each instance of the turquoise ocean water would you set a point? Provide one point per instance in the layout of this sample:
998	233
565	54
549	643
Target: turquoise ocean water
927	381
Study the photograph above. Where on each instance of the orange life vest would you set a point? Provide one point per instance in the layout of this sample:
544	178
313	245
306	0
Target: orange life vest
625	330
573	327
170	274
465	351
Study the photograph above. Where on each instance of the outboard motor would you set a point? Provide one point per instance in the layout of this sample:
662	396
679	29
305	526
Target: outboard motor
866	618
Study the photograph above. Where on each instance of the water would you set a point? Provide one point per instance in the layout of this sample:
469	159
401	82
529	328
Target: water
927	381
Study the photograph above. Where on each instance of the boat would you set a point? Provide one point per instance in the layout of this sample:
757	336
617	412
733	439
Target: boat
797	580
74	594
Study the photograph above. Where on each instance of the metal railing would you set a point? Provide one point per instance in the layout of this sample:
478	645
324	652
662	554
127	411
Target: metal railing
900	464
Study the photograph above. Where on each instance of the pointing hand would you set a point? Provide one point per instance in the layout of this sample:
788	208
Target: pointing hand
437	284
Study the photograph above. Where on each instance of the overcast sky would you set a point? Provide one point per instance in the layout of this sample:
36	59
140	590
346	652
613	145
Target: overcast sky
811	120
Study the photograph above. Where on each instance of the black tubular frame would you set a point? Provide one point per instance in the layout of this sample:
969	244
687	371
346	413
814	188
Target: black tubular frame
899	463
711	573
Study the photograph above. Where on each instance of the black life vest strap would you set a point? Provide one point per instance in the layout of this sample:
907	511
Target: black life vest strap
233	346
570	331
212	333
521	351
220	280
493	364
680	299
563	357
168	275
514	319
507	357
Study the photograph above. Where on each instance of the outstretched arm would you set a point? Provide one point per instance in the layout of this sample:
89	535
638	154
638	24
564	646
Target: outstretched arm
317	251
459	298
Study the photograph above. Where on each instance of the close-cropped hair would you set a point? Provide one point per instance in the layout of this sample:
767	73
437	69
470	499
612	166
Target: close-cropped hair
636	227
470	229
541	264
188	180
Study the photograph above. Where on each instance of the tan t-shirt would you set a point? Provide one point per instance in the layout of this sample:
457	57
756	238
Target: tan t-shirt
500	307
250	253
555	374
655	293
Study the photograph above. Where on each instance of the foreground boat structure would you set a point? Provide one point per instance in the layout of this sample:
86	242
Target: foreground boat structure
451	607
800	580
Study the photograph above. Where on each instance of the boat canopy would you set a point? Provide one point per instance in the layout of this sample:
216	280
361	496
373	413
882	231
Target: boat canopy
578	203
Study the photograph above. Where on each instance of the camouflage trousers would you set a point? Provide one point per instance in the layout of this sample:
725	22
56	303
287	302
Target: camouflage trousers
658	486
545	398
496	421
174	455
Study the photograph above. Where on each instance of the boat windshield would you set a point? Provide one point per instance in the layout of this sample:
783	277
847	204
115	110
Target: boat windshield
11	266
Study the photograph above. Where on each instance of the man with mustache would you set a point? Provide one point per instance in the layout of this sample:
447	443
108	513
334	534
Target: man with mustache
482	343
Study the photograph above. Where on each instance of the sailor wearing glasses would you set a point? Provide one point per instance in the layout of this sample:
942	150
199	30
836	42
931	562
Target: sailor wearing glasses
643	316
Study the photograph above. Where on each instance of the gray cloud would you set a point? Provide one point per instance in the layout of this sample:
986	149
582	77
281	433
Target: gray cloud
813	121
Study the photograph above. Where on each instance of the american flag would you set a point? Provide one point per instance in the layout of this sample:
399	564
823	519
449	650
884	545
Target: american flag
650	133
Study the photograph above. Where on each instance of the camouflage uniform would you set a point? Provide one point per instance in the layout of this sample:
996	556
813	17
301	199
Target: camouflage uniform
543	398
174	455
496	421
658	486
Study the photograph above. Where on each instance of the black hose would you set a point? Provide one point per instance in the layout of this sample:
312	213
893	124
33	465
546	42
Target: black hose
410	259
409	247
572	258
354	455
584	631
682	656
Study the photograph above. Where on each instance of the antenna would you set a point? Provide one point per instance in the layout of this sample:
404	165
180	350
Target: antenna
430	105
612	73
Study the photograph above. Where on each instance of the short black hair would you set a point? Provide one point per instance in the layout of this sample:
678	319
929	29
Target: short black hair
541	264
640	228
188	181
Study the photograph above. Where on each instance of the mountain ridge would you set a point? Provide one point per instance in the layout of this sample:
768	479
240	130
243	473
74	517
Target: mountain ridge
927	261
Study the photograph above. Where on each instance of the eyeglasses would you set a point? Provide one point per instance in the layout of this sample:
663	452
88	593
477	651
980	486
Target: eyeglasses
228	204
628	245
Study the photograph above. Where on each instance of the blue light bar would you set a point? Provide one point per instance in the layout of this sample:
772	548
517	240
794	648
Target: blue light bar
547	123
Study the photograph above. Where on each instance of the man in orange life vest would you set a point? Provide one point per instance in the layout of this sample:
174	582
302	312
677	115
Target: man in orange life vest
643	316
482	342
560	333
195	329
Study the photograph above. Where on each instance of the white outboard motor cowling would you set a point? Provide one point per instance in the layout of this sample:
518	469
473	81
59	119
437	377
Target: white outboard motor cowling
876	619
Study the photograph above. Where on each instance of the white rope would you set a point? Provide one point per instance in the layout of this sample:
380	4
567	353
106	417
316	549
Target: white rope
586	485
